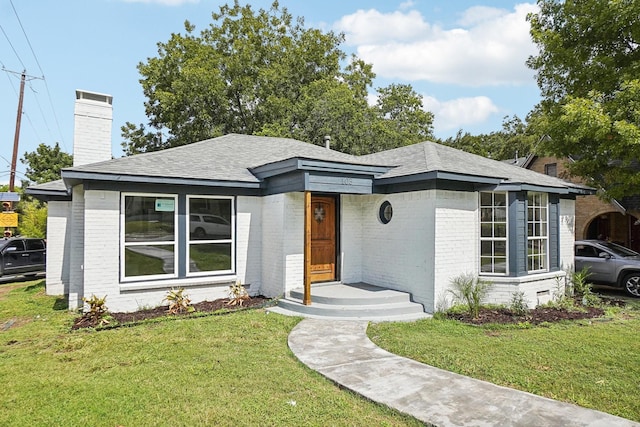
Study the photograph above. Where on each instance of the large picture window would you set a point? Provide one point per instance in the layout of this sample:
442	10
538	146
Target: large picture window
149	235
211	234
537	232
493	233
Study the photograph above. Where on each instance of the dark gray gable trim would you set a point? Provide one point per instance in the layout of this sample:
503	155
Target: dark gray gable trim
320	182
301	174
134	187
49	195
516	186
439	175
76	177
297	163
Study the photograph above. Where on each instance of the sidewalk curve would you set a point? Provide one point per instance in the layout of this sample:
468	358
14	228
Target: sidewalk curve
342	352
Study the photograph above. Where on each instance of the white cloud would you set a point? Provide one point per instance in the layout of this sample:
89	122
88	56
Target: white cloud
371	27
406	5
488	47
459	113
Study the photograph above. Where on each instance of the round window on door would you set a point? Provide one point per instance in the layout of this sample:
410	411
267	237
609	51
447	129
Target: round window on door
386	212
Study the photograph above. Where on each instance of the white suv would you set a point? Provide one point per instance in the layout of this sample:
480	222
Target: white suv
202	226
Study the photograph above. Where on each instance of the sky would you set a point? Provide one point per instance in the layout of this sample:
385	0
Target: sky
466	58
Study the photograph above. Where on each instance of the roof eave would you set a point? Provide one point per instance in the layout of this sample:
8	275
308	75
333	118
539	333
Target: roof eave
74	177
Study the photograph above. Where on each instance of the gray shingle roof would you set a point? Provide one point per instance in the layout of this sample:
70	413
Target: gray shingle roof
231	157
429	157
227	158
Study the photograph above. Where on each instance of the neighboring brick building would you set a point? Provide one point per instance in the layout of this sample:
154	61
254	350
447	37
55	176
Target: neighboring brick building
616	220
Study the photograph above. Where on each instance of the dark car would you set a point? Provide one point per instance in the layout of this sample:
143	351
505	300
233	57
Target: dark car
26	256
609	264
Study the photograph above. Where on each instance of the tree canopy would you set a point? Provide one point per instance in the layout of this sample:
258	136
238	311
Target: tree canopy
588	71
45	164
263	72
516	139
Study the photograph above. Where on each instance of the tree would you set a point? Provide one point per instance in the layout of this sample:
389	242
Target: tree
263	73
515	139
45	164
587	71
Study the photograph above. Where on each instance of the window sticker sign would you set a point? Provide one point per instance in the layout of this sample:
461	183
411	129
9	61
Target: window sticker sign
165	205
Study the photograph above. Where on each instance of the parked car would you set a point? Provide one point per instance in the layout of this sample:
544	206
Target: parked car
609	264
202	226
26	256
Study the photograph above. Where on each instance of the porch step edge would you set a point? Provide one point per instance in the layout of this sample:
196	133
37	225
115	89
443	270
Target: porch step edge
325	295
411	317
357	311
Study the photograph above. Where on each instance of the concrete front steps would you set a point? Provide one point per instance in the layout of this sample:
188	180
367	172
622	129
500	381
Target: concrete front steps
357	301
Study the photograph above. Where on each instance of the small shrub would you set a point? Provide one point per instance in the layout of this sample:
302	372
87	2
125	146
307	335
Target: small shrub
518	304
237	294
470	290
97	311
582	290
178	301
562	294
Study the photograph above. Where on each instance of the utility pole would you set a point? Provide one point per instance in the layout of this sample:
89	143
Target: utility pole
16	138
9	218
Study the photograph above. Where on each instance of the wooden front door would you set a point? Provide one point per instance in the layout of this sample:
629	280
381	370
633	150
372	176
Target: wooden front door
323	239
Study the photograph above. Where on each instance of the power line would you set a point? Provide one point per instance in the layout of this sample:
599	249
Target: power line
13	48
53	109
25	36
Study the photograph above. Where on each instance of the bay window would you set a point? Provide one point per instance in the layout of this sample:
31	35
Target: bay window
537	232
493	233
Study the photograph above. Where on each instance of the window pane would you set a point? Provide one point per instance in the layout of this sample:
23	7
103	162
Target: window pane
500	249
486	248
209	257
486	199
501	230
142	222
486	214
486	265
500	214
210	219
486	230
500	199
500	265
149	260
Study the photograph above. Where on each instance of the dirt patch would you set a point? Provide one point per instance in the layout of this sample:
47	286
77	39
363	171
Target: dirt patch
163	311
534	316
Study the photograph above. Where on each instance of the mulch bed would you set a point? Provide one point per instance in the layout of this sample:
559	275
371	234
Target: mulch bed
534	316
163	311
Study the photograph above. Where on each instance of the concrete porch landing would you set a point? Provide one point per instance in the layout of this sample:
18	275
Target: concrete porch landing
354	301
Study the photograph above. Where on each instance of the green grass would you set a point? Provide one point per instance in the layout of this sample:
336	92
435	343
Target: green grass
211	256
593	364
228	370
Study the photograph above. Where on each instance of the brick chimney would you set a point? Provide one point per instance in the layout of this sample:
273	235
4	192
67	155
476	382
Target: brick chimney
92	128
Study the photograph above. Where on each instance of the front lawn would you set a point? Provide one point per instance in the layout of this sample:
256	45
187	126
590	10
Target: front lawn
228	370
592	363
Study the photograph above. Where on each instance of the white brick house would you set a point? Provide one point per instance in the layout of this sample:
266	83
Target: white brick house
274	213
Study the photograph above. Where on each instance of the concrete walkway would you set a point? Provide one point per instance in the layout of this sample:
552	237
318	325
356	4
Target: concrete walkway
342	352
